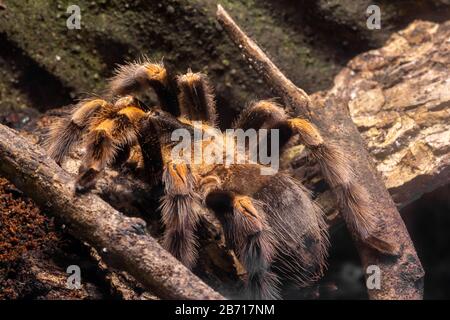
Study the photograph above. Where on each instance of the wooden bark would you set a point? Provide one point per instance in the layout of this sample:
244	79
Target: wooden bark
402	276
398	97
122	241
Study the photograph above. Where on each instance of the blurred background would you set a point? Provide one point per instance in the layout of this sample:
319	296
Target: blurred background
44	65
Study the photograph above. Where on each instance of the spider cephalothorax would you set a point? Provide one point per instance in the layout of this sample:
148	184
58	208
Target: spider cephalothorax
270	221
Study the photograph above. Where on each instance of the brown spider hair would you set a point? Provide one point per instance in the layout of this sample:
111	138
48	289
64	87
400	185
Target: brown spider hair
275	228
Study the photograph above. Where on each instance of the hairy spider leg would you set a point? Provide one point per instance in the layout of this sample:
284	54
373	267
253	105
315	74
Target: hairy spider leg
248	234
66	133
335	166
181	204
138	76
196	98
181	211
106	138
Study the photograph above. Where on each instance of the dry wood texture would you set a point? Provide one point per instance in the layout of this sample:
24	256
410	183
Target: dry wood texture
398	97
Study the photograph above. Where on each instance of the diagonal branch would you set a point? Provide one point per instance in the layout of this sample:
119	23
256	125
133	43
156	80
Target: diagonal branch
122	241
402	275
293	97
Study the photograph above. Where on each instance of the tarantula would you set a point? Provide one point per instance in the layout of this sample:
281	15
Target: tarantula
270	221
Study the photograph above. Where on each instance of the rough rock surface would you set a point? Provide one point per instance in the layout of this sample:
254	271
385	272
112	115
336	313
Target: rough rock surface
399	98
400	101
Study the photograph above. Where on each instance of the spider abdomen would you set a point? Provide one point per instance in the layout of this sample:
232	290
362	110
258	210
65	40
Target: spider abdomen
298	227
